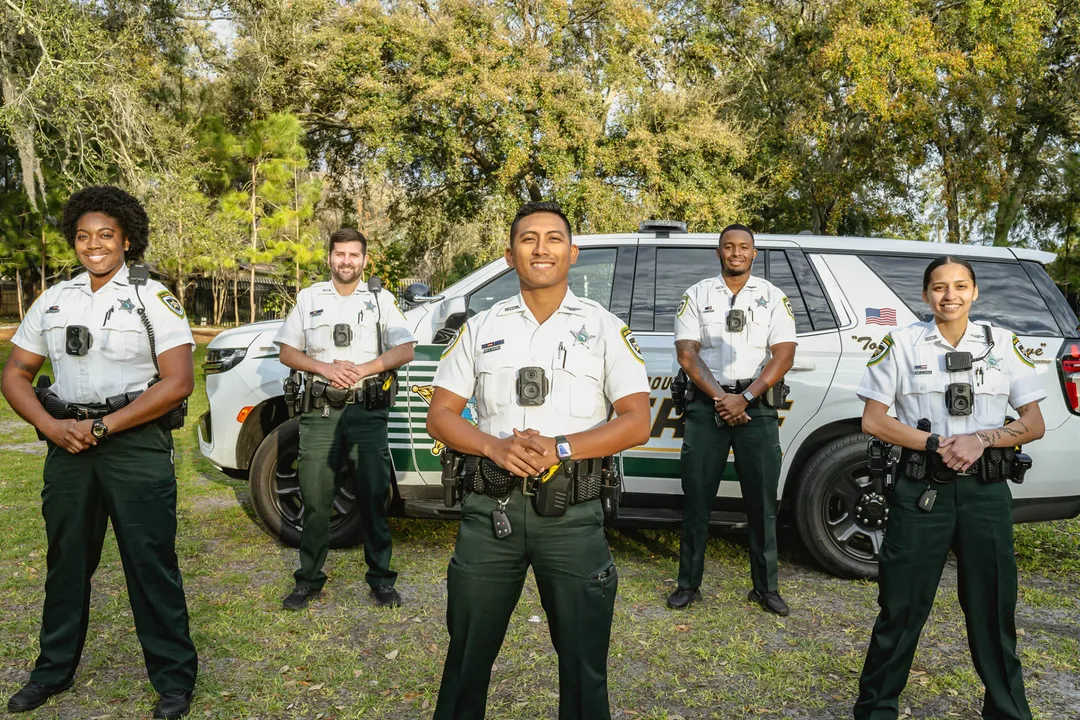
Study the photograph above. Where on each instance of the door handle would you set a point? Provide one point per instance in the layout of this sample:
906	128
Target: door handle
803	367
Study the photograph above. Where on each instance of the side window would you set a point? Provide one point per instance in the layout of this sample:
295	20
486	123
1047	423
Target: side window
592	277
676	270
1007	297
782	276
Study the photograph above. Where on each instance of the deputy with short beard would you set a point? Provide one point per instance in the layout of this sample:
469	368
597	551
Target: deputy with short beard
335	335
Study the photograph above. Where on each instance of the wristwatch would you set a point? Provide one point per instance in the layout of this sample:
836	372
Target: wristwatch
932	442
748	396
99	430
562	448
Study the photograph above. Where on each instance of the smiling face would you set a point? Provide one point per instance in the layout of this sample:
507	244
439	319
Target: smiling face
736	252
100	244
541	252
950	293
347	261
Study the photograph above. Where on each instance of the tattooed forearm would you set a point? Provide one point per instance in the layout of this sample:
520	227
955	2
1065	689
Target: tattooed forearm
20	365
1015	433
688	354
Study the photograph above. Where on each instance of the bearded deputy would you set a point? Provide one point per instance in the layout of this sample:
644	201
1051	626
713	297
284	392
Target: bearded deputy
347	340
121	350
951	381
545	367
734	340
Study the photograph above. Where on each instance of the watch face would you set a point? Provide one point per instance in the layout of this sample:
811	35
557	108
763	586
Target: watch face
562	450
97	429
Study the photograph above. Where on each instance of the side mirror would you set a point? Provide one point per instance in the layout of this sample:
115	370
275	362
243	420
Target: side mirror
418	293
449	316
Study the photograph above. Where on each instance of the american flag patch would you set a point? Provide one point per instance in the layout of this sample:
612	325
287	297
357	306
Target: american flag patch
920	367
881	316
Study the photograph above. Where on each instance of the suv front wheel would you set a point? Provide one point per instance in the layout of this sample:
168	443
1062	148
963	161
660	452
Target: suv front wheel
840	513
275	492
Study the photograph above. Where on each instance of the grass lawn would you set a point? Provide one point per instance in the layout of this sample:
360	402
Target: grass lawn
344	659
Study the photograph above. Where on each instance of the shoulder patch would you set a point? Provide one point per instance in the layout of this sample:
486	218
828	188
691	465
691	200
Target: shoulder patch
1021	353
170	301
787	306
682	305
631	343
883	349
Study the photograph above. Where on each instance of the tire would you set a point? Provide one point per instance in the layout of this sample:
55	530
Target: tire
275	492
830	487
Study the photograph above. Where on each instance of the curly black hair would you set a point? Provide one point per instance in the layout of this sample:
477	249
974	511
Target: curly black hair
117	204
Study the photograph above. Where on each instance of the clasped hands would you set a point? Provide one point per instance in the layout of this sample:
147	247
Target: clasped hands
344	373
731	408
525	453
959	452
72	435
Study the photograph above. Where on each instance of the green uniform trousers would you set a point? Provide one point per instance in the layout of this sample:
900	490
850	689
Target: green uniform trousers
348	445
976	522
577	581
757	464
127	478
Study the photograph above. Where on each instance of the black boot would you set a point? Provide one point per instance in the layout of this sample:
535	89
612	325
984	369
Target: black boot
173	704
299	598
770	601
682	597
385	596
33	695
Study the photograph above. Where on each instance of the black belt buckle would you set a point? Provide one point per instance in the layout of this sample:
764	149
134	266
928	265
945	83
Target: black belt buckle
80	413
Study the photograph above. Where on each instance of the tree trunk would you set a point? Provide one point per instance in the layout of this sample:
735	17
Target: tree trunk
19	292
1020	176
236	297
254	245
43	252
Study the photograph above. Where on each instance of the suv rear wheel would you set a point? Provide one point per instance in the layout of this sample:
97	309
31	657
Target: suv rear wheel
275	492
840	513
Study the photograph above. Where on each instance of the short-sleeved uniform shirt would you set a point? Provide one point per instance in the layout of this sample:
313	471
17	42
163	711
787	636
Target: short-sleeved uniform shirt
589	357
310	325
119	359
741	355
908	370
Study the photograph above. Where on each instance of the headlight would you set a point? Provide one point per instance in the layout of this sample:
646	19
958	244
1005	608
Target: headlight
218	360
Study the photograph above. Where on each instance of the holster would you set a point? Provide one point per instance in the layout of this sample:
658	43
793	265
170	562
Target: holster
293	387
879	457
775	396
452	463
681	391
381	390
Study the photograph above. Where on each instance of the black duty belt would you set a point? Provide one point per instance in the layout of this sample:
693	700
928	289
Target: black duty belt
489	479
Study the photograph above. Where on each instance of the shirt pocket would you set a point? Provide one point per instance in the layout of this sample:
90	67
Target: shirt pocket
318	335
495	377
121	344
54	332
757	328
992	399
579	383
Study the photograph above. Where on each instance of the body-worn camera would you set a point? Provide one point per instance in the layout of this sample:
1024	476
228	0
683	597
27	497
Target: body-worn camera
77	340
532	386
342	335
736	320
957	361
959	399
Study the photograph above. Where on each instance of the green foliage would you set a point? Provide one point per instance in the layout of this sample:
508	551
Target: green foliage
425	125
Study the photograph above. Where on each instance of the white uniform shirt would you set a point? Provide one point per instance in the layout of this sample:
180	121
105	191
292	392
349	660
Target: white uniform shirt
908	370
310	325
590	359
119	359
741	355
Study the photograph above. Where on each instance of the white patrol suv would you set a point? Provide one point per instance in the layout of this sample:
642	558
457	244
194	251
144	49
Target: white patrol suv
846	293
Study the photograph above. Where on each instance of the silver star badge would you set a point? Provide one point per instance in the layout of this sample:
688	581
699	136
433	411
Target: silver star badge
582	336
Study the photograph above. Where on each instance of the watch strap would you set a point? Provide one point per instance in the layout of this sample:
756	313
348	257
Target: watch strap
562	448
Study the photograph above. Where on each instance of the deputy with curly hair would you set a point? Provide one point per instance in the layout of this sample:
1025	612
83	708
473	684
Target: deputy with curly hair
120	346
